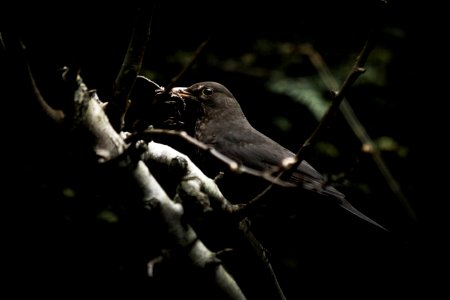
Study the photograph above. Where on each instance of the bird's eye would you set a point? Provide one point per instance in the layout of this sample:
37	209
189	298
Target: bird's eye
207	91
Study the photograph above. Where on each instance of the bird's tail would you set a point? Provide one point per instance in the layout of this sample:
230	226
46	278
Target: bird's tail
329	191
347	206
308	178
342	202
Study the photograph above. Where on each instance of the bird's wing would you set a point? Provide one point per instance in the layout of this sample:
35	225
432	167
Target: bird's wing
251	148
255	150
264	154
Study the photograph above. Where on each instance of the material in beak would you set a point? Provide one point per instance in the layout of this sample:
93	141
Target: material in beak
180	92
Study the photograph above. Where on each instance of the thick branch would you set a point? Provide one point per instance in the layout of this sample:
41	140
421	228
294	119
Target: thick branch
200	187
88	118
193	180
182	236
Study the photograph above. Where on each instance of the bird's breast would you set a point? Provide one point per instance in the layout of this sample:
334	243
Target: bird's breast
204	132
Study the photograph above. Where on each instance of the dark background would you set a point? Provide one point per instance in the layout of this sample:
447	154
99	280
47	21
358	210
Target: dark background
63	241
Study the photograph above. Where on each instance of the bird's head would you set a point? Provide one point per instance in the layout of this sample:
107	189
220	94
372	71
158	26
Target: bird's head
204	92
211	97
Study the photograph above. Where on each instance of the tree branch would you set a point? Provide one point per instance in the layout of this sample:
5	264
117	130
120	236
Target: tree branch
290	164
233	165
196	185
368	144
197	53
193	181
90	121
131	67
338	97
16	51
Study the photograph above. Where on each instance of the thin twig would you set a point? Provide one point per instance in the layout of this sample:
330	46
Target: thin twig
233	165
355	72
197	53
131	67
262	253
15	47
358	129
2	43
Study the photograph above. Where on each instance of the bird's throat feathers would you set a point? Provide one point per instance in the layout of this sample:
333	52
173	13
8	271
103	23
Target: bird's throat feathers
219	118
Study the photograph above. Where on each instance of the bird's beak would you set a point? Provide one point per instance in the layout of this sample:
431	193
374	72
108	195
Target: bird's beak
180	92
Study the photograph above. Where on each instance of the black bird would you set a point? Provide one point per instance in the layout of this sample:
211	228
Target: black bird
219	122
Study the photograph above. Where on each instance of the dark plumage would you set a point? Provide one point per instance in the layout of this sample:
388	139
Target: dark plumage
219	121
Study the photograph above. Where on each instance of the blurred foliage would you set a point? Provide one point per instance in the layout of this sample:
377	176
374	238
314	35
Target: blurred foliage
386	143
307	92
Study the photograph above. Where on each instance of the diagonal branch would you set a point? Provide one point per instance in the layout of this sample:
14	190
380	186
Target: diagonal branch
197	186
233	165
16	49
358	129
338	97
197	53
131	67
289	165
97	135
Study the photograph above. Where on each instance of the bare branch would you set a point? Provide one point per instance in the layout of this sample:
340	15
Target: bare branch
14	47
2	43
289	165
198	186
193	180
356	71
89	119
197	53
261	252
368	144
131	67
54	114
233	165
